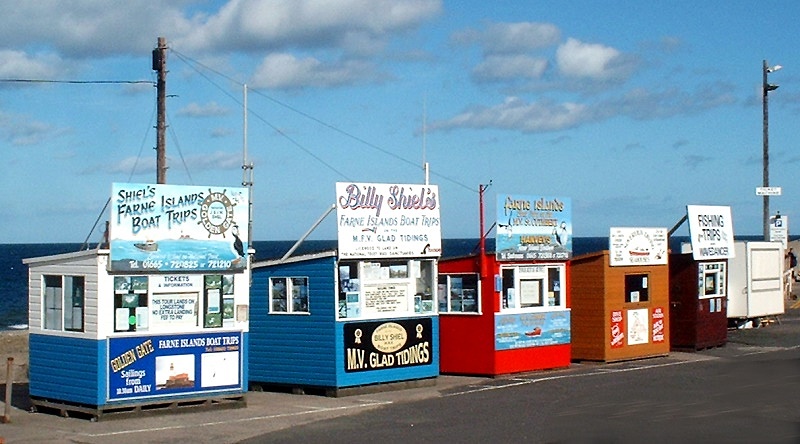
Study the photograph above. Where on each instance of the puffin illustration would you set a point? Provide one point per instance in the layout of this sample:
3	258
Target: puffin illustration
561	234
237	243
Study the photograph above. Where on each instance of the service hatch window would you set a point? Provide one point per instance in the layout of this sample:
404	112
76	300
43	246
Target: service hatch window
532	287
458	293
637	288
381	288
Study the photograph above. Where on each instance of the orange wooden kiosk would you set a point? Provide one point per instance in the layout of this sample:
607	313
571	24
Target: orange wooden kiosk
507	312
620	310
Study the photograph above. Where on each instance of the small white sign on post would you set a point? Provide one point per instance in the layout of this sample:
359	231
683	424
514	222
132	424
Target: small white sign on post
768	191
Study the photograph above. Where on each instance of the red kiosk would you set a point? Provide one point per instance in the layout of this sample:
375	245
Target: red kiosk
507	312
699	281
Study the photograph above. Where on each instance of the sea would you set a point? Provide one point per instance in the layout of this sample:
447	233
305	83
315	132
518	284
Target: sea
14	274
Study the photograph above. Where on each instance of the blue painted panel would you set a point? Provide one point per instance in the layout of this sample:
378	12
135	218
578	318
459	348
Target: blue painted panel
67	369
294	349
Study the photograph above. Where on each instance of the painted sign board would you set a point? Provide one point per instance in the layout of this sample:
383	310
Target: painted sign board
710	231
378	220
159	366
638	246
522	330
378	345
156	227
533	228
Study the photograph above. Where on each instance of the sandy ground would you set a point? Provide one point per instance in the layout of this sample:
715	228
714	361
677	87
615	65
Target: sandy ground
14	344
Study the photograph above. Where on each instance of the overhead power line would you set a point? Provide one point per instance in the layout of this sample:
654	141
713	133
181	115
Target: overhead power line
82	82
191	62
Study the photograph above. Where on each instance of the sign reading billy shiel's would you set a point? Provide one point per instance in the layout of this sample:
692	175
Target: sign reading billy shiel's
178	228
533	227
388	220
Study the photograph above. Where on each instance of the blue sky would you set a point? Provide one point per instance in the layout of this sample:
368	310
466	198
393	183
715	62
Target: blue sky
631	109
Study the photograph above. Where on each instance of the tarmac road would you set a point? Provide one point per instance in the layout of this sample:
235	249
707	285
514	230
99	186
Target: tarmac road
746	391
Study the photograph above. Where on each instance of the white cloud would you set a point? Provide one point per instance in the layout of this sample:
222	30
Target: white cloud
218	160
516	114
509	67
257	25
586	60
639	104
210	109
25	131
19	65
285	71
512	37
90	28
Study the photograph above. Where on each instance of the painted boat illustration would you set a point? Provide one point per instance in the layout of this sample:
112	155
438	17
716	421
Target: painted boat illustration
535	332
148	246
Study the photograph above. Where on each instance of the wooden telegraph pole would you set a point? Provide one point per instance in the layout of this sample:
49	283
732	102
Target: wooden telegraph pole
160	65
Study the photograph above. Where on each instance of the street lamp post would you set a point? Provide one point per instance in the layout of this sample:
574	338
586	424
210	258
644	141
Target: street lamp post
766	88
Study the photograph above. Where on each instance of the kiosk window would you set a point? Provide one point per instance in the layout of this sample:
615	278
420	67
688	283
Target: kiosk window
531	287
130	303
636	288
458	293
63	303
288	295
212	318
380	288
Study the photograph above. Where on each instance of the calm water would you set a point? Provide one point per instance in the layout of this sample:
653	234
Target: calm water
14	282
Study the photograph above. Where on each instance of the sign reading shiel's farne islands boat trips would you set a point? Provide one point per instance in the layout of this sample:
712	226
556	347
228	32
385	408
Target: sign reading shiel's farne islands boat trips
388	220
533	227
178	228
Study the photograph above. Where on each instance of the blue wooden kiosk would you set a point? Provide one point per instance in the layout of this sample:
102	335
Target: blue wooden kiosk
155	318
345	321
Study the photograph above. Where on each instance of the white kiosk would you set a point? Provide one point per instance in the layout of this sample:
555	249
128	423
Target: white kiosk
158	317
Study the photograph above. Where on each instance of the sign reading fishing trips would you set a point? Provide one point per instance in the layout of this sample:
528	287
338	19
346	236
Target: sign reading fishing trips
178	228
388	220
710	231
533	228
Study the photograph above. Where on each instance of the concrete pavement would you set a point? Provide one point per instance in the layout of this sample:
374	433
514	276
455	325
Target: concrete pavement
266	412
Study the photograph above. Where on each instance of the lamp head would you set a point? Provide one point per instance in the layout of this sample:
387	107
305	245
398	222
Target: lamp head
774	68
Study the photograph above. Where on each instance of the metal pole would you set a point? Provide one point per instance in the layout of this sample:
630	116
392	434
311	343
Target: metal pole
9	388
765	90
160	65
